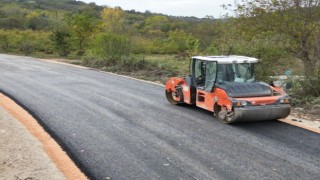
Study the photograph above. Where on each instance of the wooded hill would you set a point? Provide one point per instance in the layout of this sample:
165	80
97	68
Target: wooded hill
46	14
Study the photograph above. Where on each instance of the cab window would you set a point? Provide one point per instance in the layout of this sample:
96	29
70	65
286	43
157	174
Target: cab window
199	72
211	72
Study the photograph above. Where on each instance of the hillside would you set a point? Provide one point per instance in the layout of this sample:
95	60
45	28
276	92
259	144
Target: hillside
47	14
47	4
12	8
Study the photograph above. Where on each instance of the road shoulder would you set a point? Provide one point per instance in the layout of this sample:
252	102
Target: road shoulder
27	151
307	124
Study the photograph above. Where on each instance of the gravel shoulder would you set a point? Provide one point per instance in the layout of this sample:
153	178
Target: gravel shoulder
302	122
21	155
27	151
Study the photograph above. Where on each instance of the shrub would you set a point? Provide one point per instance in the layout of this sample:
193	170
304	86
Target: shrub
305	90
26	41
110	47
4	42
27	47
61	42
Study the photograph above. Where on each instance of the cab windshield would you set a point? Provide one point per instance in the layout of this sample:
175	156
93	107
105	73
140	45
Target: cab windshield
243	72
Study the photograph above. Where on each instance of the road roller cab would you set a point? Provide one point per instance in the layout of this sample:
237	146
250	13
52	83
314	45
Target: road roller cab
226	85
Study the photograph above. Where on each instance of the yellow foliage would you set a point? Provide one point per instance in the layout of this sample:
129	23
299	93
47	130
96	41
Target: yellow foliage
113	19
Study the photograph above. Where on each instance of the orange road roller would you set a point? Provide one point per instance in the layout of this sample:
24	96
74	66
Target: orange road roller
226	86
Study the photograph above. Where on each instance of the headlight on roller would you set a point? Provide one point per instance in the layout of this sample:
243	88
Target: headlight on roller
240	103
284	100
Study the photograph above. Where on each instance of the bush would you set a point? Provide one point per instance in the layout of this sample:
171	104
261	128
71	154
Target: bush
185	45
61	42
107	49
305	90
26	41
4	42
309	86
123	63
27	47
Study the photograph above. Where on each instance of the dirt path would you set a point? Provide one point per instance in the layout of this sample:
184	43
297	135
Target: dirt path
27	151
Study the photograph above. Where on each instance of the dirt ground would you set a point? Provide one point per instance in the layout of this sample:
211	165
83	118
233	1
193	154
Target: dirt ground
307	120
27	151
21	154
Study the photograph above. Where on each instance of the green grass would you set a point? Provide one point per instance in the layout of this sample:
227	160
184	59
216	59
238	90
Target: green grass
180	66
71	56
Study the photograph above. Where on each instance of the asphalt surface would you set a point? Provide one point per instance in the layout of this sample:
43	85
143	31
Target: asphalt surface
125	129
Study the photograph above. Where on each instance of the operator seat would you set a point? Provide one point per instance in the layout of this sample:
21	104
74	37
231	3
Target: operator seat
230	73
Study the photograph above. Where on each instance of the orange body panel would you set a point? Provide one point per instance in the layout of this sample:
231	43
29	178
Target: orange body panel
207	100
173	82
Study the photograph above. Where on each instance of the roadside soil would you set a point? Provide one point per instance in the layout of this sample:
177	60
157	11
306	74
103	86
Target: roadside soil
27	151
312	113
306	119
22	155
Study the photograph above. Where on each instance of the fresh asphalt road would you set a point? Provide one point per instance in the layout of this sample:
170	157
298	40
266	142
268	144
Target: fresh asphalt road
125	129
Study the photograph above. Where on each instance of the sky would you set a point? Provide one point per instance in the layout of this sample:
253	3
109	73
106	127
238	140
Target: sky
197	8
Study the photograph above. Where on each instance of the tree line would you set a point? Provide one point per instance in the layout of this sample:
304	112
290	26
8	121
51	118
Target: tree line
76	29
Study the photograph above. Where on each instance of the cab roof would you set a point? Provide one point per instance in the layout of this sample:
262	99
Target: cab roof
228	59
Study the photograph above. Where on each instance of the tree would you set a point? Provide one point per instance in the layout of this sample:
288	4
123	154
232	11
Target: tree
111	46
297	20
156	25
61	42
82	26
185	44
113	19
4	41
12	16
37	20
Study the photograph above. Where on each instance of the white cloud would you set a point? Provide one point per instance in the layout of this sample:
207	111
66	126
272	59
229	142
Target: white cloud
199	8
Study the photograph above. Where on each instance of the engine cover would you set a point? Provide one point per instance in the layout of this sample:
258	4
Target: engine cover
245	89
